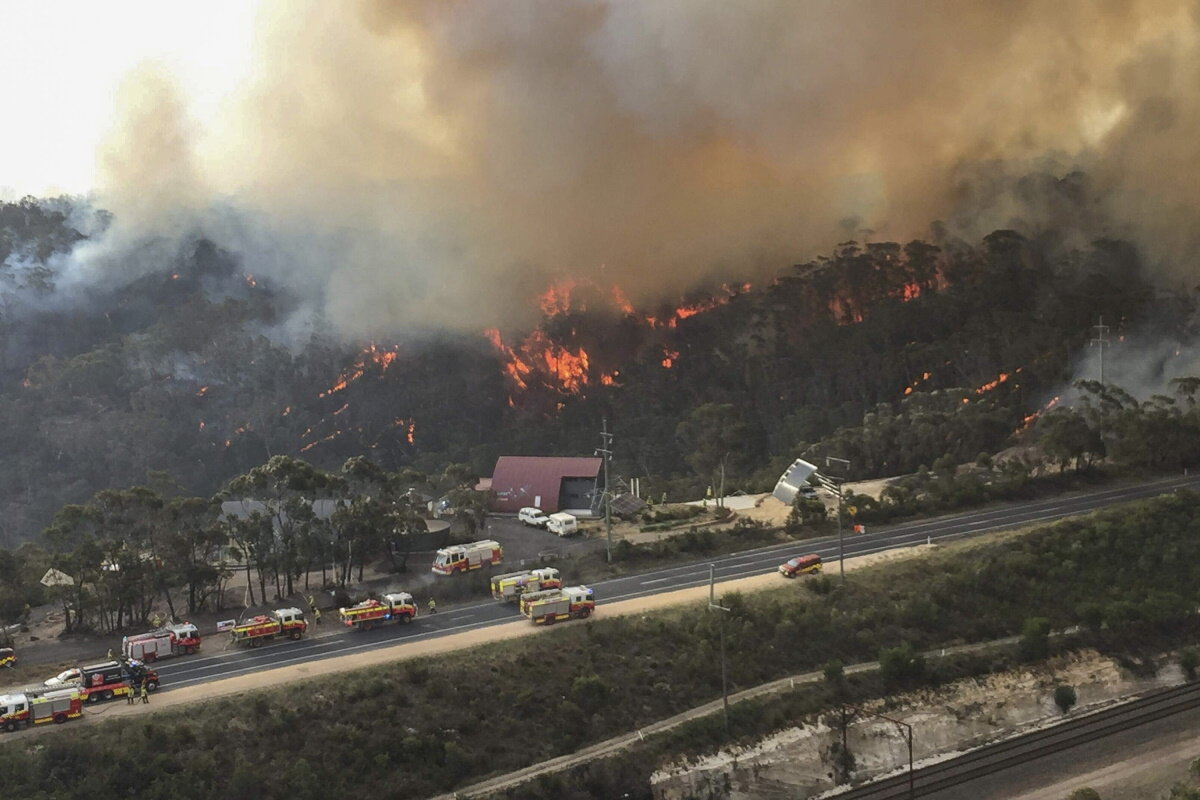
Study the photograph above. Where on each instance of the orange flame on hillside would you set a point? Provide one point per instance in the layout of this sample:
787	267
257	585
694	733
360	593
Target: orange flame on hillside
371	356
410	428
924	377
203	391
669	358
621	301
992	384
567	369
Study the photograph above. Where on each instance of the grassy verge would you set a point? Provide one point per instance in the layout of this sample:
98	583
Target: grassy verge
422	727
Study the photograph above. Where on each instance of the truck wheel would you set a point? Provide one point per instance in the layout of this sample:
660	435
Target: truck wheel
190	649
549	619
10	725
60	718
456	570
405	619
255	642
151	686
296	635
584	613
150	658
366	626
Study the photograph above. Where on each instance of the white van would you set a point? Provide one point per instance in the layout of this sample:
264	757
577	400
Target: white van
562	523
531	515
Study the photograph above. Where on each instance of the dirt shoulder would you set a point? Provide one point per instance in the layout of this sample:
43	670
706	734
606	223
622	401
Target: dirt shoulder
447	644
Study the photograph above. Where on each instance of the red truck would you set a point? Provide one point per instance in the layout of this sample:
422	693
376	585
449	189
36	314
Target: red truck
171	640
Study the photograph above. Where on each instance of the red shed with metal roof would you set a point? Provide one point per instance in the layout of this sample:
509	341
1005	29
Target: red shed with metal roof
550	483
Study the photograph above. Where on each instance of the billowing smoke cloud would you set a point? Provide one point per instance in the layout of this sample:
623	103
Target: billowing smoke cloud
434	163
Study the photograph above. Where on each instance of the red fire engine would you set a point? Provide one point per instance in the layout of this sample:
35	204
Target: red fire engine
549	606
168	641
464	557
36	706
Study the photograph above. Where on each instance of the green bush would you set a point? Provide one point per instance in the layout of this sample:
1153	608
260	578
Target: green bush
1065	698
1035	639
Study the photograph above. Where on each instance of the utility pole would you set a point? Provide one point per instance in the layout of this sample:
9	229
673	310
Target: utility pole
605	451
712	605
840	495
1101	339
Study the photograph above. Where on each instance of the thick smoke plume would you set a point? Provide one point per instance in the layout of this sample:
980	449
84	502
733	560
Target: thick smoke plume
417	164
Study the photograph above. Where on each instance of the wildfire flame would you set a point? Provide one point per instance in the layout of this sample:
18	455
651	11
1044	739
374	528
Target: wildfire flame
370	356
410	427
912	386
203	391
567	369
1028	421
669	358
992	384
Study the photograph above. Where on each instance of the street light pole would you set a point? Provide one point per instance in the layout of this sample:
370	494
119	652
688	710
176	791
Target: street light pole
712	604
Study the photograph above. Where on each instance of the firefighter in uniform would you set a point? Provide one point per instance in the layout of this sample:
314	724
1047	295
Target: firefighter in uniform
317	614
132	692
145	692
432	606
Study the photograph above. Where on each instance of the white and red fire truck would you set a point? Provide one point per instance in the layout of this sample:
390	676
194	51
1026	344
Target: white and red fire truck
281	622
464	557
168	641
397	607
511	586
37	706
549	606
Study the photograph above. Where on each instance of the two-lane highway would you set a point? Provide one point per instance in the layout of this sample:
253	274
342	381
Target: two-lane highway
216	663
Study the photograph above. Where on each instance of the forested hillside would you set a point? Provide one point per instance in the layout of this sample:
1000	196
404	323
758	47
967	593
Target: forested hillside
194	368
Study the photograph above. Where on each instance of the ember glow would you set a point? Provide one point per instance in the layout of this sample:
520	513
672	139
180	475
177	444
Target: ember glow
669	358
912	387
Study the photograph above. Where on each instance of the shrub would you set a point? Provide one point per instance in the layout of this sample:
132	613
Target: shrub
901	666
1065	698
1035	639
1189	660
1086	793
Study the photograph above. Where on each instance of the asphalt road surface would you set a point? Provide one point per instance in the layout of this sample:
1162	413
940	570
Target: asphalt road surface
216	663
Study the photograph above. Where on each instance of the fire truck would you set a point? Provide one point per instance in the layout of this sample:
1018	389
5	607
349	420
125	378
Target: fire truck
550	606
464	557
8	658
511	586
397	607
281	622
36	706
169	641
106	680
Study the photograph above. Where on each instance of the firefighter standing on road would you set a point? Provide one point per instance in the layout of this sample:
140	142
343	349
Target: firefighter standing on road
432	606
317	614
132	692
145	693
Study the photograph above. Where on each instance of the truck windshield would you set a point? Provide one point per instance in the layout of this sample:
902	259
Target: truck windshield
442	558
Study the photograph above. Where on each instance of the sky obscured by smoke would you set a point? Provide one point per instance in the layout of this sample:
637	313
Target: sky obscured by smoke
425	164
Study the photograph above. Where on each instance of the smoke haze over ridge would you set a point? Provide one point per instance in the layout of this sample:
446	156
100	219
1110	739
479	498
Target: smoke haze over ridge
428	164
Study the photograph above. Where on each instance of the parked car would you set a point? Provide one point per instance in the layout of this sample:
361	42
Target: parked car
64	677
534	516
800	565
562	524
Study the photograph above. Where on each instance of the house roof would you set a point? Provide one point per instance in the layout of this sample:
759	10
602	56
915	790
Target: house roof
519	480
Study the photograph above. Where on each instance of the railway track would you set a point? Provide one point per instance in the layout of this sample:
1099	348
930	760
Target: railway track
1028	747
